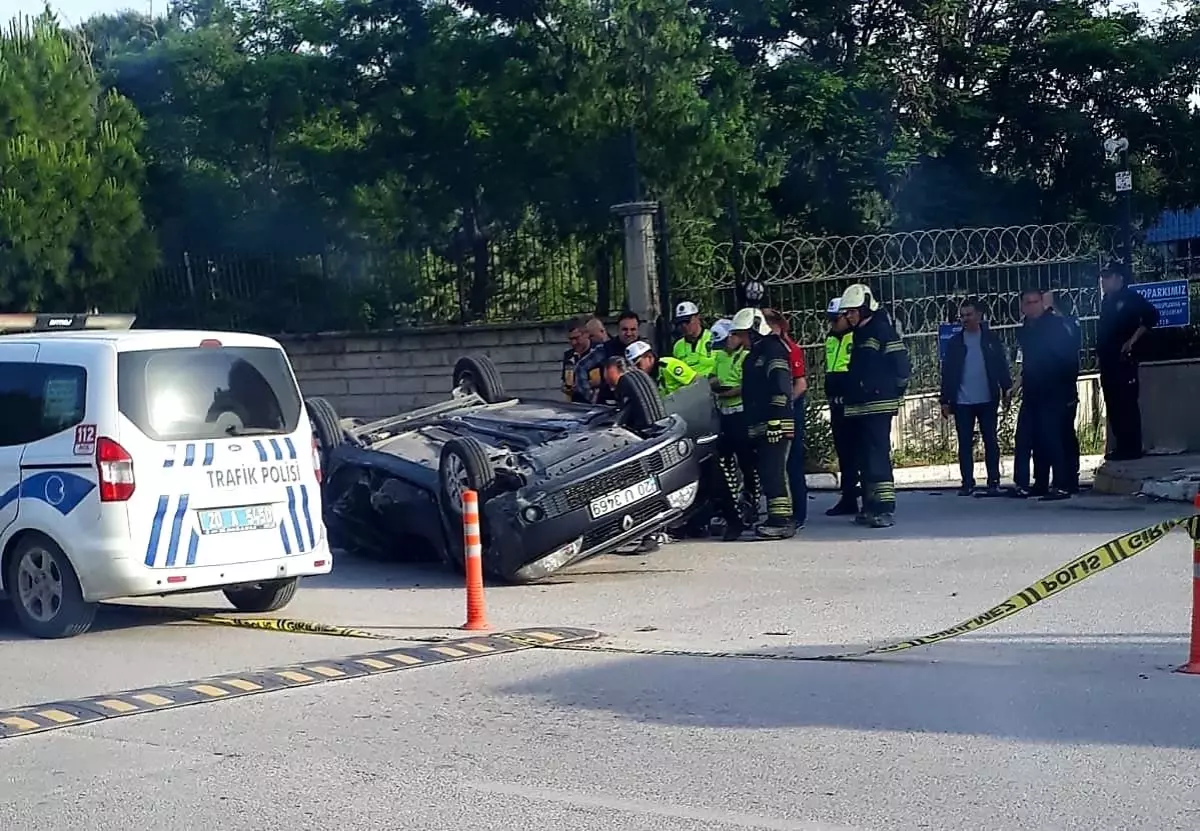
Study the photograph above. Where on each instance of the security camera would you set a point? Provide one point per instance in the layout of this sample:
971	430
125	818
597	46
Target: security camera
1113	146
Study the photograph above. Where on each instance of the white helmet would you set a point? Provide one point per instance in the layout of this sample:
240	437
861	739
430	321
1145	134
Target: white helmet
835	306
636	350
749	319
857	296
685	310
721	329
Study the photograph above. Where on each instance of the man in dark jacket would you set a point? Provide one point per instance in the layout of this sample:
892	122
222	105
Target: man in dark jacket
1125	316
975	380
767	399
876	382
1049	363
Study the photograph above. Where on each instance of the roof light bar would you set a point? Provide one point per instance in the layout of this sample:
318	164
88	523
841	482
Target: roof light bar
33	322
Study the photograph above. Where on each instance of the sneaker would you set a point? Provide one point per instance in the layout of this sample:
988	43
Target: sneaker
775	531
966	490
1054	495
844	507
884	520
993	491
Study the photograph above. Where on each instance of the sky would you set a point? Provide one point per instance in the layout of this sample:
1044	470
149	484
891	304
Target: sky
71	12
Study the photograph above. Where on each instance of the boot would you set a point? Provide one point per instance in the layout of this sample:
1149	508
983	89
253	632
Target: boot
884	520
776	528
844	507
733	531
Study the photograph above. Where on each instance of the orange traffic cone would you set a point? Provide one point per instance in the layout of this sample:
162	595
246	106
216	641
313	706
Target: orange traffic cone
473	548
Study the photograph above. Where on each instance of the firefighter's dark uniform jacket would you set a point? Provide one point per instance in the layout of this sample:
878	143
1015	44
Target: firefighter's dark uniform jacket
767	386
879	371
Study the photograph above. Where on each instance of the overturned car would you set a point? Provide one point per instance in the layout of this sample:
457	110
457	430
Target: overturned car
558	483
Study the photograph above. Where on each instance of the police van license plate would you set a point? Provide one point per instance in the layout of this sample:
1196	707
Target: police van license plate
615	501
228	520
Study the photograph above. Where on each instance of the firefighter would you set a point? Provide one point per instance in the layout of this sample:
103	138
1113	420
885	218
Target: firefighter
670	373
695	347
875	383
838	344
736	452
767	402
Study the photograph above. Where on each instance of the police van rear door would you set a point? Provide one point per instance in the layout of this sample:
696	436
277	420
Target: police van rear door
229	474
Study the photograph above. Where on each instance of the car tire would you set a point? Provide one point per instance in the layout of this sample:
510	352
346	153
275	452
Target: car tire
478	474
37	556
640	389
268	596
326	426
477	373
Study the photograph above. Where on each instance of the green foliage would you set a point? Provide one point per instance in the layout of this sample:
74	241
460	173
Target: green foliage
72	232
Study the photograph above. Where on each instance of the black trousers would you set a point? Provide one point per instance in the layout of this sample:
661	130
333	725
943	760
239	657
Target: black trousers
987	416
1122	388
845	447
738	467
1040	433
772	472
1068	478
874	435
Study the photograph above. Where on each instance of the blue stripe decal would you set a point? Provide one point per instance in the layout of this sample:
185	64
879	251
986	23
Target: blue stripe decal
176	531
295	518
61	490
209	450
193	544
291	447
262	451
170	460
189	456
278	450
287	546
156	530
312	540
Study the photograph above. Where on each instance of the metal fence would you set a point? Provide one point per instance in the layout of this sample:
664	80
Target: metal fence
505	278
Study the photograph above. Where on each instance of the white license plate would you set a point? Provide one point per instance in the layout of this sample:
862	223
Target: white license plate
615	501
230	520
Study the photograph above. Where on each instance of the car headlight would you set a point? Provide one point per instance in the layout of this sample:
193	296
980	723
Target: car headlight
532	513
684	448
682	499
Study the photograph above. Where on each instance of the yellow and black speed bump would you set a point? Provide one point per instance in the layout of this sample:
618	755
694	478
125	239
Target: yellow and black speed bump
54	715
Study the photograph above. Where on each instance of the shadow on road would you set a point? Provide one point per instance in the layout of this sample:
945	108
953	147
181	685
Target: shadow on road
1103	689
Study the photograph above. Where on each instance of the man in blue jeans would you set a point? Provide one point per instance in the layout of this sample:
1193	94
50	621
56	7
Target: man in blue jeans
975	381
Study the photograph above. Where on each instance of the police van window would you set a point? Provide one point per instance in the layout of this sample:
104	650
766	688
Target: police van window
201	393
38	401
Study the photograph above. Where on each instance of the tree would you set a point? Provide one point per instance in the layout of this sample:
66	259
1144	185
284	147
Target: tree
72	231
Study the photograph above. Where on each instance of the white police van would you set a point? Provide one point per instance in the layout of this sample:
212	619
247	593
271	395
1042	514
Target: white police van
147	462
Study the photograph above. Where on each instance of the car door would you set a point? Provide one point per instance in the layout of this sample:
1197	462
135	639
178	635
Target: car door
16	363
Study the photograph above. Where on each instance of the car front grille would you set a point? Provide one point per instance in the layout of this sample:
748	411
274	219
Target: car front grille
579	494
610	527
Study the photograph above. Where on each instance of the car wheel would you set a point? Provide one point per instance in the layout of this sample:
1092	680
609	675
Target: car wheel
269	596
640	389
326	426
477	374
45	592
464	465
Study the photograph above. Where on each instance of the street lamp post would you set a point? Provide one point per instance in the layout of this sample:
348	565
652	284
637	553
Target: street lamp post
1117	150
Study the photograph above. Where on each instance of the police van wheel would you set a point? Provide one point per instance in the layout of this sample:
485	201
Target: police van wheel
269	596
44	590
639	388
326	426
477	374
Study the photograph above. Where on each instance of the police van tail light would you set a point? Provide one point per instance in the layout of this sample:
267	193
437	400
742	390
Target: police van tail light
316	459
116	471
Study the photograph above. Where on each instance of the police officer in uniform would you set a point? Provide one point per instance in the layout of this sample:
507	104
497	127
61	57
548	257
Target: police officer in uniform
838	344
736	453
1125	317
695	347
875	383
767	398
670	373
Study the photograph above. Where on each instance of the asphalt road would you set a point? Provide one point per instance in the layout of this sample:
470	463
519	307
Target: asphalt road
1065	716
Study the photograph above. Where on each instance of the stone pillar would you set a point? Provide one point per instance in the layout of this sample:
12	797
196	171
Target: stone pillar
641	261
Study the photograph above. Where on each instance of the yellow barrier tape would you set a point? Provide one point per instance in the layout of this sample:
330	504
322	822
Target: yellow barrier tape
300	627
1069	574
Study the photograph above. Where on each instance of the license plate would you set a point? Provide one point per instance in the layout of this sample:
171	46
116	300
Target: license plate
229	520
615	501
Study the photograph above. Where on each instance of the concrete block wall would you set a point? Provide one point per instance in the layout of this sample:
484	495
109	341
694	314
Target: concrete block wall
383	373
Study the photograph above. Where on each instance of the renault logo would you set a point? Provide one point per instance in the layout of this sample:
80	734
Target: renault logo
626	522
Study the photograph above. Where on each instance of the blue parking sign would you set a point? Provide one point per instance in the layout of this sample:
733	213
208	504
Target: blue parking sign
945	332
1170	298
